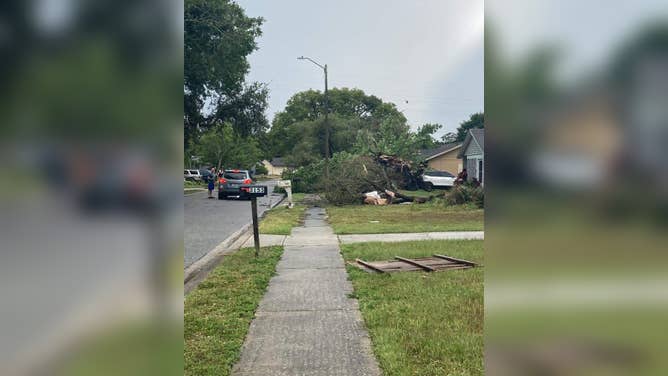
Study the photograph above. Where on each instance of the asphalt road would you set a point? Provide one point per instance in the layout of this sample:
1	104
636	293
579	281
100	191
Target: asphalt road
207	222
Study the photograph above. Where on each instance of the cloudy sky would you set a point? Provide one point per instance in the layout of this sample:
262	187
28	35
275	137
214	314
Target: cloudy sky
585	33
426	56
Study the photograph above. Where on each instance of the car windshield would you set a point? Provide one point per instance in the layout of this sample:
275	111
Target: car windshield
235	175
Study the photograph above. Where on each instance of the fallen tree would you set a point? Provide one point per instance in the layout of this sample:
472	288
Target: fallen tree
410	173
352	178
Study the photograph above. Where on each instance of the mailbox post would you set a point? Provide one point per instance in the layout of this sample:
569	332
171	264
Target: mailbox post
255	191
287	185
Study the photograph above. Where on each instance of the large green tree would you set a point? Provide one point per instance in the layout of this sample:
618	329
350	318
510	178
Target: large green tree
218	37
476	120
298	131
424	137
223	147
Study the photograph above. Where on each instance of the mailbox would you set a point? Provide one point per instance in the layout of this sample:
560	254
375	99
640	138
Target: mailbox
254	190
284	183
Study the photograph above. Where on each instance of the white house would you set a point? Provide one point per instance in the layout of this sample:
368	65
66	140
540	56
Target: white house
473	154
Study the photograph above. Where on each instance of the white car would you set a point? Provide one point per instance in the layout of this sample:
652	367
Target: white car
437	179
192	175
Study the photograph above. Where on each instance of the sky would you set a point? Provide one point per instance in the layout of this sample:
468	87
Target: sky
426	56
585	33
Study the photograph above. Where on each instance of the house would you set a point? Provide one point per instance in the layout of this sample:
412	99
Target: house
444	158
276	166
581	143
472	153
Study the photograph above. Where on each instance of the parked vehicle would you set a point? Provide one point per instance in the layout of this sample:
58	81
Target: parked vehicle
192	175
437	179
206	175
231	182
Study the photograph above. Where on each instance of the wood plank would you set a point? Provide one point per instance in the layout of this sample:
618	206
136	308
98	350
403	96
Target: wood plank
413	262
372	267
459	261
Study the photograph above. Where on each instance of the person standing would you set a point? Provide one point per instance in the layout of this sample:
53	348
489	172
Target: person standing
211	184
462	177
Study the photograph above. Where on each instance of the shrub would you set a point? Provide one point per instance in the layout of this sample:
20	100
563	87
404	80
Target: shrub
463	194
260	169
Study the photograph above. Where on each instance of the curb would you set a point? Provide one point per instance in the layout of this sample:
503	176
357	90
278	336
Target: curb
198	270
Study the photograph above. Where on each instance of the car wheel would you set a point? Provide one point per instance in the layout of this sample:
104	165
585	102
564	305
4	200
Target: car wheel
222	196
428	186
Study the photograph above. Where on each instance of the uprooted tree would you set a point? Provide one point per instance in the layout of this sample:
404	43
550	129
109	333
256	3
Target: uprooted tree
350	176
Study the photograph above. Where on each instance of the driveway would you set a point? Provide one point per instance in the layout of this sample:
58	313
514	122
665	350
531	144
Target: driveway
207	222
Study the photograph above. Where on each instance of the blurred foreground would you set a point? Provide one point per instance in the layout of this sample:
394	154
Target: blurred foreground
90	188
576	96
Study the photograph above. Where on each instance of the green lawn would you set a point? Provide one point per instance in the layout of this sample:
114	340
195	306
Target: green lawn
218	312
421	193
621	340
280	220
191	184
297	197
422	323
132	348
194	184
369	219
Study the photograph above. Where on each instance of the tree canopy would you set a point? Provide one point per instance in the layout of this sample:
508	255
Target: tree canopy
223	147
476	120
218	37
297	132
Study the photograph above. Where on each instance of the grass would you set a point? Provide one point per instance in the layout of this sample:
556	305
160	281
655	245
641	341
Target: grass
357	219
193	184
627	336
218	313
422	323
298	197
131	348
422	193
280	220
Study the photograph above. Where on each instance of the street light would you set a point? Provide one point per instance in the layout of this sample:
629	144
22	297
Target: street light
324	68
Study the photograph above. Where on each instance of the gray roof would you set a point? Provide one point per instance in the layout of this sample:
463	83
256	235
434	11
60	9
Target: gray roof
431	153
476	133
279	162
479	135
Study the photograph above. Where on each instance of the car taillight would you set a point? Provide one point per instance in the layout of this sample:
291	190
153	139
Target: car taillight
248	181
222	181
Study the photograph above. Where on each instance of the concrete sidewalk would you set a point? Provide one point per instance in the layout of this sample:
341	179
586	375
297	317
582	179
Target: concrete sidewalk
306	324
403	237
269	240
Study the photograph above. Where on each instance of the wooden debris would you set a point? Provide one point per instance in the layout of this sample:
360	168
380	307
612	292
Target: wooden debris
456	260
416	263
430	264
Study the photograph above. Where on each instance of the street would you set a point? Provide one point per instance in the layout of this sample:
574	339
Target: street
207	222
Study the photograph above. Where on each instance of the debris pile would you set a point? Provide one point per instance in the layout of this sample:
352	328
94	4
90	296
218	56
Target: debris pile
372	180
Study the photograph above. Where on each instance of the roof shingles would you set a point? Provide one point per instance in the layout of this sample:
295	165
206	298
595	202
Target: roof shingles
431	153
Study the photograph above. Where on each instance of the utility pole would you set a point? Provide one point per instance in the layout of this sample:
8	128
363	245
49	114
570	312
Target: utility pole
326	127
327	148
